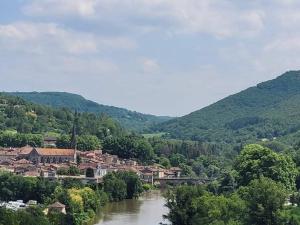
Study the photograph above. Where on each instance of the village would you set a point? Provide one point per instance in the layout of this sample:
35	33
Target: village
92	165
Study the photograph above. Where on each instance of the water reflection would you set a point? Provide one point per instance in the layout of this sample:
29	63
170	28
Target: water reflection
147	210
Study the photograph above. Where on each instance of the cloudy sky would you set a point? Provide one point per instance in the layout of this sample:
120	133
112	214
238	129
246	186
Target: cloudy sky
165	57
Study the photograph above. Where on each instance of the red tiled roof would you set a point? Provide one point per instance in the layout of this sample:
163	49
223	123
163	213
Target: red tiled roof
48	151
22	161
55	151
57	205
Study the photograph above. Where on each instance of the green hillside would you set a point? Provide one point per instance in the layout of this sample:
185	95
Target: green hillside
128	119
18	115
269	110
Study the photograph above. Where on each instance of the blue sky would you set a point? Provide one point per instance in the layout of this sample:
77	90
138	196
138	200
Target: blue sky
164	57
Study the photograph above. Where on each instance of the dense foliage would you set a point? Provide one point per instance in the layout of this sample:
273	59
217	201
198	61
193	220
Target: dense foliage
256	161
269	110
129	146
82	202
17	115
128	119
122	185
254	193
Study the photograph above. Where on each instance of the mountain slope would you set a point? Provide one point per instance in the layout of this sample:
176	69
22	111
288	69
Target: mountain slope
129	119
269	110
18	115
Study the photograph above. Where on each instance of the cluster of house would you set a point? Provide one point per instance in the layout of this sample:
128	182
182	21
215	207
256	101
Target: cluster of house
19	205
46	162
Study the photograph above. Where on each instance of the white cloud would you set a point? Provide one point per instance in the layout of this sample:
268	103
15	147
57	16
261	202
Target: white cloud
286	43
218	18
150	65
197	51
39	37
84	8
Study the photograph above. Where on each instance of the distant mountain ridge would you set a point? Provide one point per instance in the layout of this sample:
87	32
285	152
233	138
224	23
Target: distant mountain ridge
269	110
129	119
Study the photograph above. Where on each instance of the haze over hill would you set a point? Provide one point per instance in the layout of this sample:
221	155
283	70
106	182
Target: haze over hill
129	119
269	110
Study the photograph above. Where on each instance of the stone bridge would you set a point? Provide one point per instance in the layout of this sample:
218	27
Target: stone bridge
179	180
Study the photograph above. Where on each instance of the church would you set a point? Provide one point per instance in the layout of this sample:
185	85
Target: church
47	155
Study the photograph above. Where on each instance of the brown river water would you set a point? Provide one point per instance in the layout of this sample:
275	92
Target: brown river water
147	210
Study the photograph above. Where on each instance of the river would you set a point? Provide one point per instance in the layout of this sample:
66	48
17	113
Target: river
147	210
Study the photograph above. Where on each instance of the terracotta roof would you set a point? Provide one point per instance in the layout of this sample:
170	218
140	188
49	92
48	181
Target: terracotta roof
48	151
22	161
87	165
8	152
25	150
55	151
175	169
57	205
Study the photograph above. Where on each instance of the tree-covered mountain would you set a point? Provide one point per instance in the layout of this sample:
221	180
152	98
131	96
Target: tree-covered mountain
21	116
129	119
269	110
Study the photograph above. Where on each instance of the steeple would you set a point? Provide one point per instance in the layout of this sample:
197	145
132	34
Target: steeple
73	143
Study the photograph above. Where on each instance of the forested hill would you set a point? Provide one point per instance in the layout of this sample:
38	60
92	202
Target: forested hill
128	119
18	115
269	110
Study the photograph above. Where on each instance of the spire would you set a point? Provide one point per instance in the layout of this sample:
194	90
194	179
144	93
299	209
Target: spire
73	143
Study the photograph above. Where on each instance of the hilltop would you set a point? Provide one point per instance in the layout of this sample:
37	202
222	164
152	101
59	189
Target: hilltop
18	115
269	110
128	119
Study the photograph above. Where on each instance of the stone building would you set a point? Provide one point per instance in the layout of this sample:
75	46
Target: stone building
48	155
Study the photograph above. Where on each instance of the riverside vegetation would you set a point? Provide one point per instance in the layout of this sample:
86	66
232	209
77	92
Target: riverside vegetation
83	202
262	188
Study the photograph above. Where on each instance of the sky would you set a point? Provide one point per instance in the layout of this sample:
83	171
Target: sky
163	57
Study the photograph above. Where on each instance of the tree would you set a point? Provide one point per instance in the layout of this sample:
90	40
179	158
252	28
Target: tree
213	209
144	150
265	198
115	187
129	146
228	182
165	162
63	141
133	183
88	143
177	159
256	161
180	202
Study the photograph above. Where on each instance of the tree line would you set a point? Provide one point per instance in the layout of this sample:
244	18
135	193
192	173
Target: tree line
82	202
254	192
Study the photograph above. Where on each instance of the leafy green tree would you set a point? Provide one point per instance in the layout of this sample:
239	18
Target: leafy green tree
165	162
212	209
88	142
187	170
265	198
143	149
115	187
129	146
181	204
228	182
177	159
63	141
32	216
133	183
256	161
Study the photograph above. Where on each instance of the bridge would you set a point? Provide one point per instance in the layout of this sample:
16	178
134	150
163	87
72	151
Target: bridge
179	180
83	179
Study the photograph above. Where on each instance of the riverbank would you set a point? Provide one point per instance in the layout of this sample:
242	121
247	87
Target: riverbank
147	210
